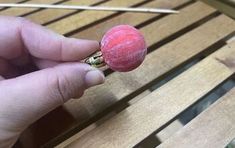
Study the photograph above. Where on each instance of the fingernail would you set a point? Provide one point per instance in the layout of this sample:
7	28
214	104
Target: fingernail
94	77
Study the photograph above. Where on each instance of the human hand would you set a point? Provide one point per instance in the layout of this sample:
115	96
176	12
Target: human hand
39	71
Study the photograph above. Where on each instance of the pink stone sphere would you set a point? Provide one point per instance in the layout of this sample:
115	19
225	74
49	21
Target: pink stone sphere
123	48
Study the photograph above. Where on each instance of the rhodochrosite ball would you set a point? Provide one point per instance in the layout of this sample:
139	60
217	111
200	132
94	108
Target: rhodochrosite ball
123	48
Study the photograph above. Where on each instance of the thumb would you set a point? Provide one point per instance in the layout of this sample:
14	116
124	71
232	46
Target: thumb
25	99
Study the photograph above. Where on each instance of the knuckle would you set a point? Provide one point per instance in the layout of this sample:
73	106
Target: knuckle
60	85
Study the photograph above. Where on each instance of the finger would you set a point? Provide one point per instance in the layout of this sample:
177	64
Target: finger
18	34
27	98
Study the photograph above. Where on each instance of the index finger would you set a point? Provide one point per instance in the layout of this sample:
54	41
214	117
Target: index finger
18	35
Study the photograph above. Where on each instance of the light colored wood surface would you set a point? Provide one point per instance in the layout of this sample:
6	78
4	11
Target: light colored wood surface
20	11
10	1
142	118
214	128
165	59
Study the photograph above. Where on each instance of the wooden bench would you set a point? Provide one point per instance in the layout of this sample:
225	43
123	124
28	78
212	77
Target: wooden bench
190	56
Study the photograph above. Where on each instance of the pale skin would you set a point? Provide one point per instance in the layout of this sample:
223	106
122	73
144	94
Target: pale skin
39	71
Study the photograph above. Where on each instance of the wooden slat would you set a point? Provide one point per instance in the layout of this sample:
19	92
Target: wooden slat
96	32
10	1
142	118
118	85
213	128
47	15
73	22
20	11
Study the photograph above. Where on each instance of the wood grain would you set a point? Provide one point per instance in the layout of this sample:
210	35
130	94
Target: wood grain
213	128
142	118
